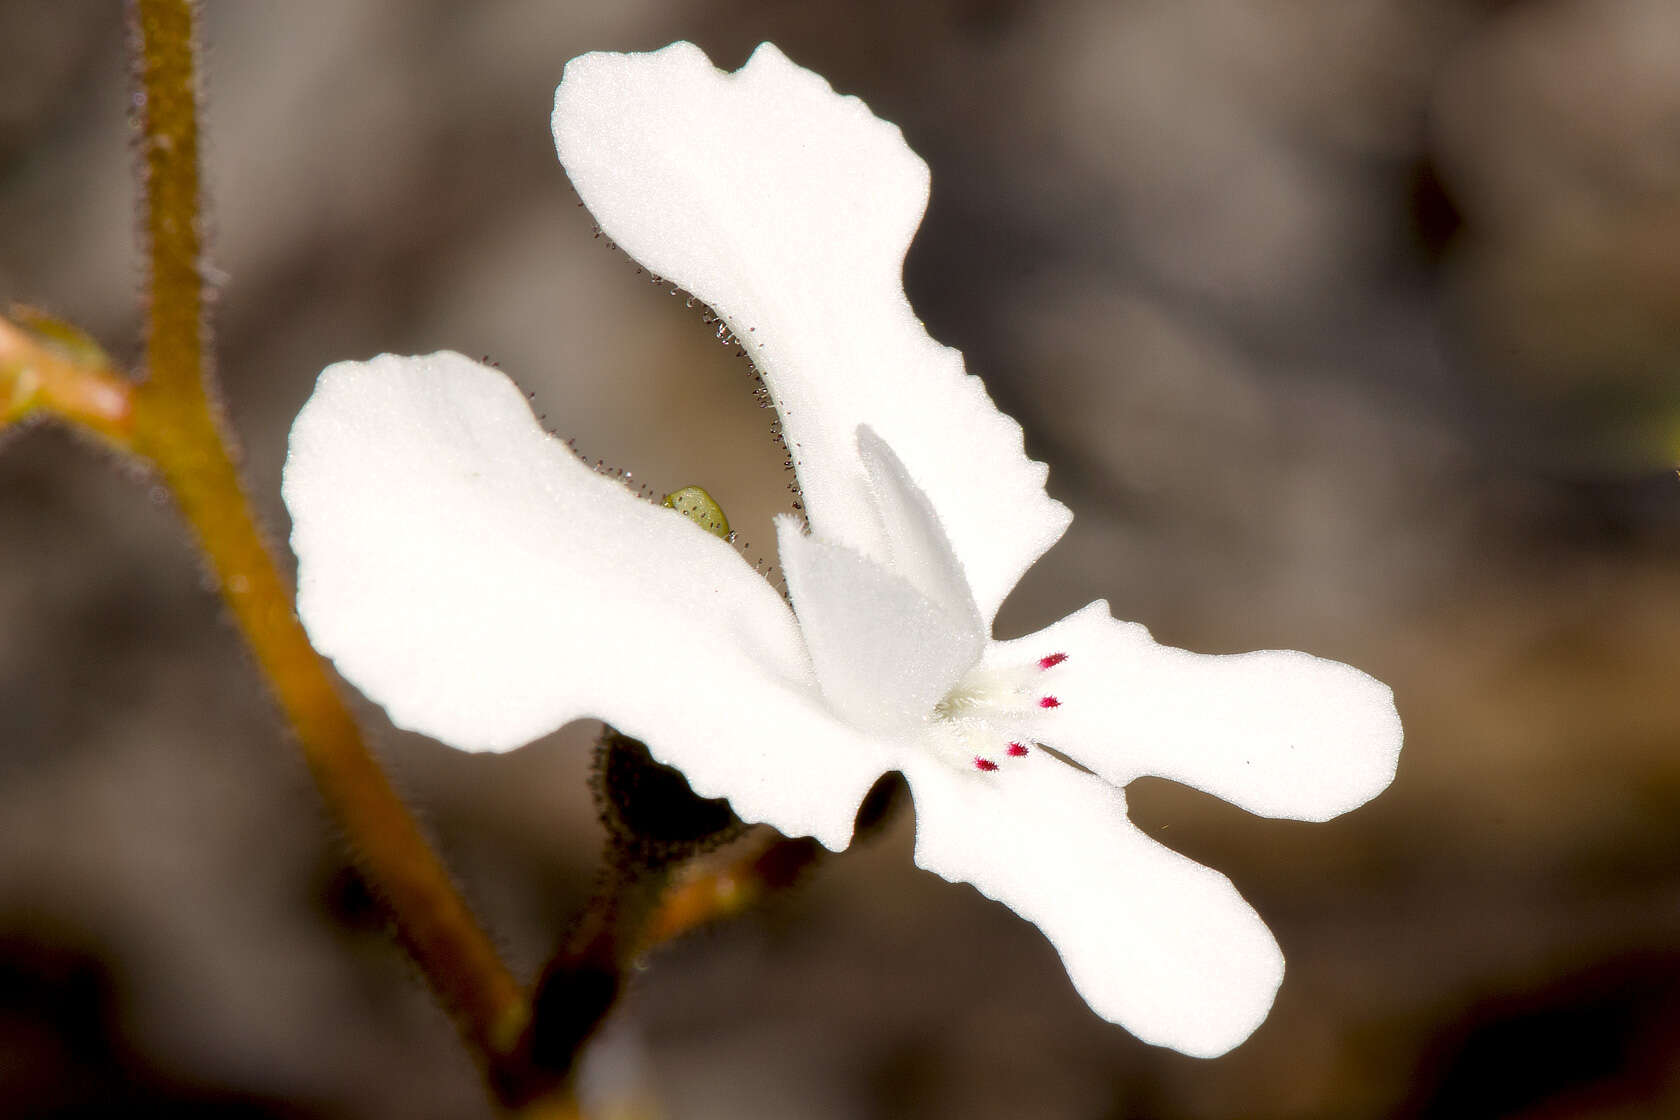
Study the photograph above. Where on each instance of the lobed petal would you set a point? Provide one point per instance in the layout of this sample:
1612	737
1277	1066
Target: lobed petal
465	570
1278	732
1153	941
788	209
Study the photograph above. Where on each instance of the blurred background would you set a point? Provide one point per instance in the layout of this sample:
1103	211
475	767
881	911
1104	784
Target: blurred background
1350	326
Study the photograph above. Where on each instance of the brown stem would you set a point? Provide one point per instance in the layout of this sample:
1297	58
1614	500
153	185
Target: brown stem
37	377
712	890
582	983
635	909
177	427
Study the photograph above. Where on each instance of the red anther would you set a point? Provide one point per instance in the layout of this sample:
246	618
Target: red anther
985	764
1049	702
1052	661
1016	750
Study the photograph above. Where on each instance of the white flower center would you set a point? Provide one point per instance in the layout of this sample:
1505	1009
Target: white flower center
980	725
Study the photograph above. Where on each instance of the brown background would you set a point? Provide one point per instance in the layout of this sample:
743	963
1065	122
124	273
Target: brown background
1348	325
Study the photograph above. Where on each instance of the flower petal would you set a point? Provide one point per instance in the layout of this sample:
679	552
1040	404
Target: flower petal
1278	732
788	209
917	548
1161	945
468	572
884	652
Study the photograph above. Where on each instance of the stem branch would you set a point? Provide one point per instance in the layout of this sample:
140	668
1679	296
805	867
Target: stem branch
37	377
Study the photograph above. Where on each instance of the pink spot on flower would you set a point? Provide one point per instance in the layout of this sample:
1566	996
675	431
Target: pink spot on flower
1016	750
1052	661
985	764
1049	702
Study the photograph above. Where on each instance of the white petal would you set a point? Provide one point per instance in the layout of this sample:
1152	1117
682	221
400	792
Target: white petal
1161	945
788	209
1280	733
918	549
468	572
884	653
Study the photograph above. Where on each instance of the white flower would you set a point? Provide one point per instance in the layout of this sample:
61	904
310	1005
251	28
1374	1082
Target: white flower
468	572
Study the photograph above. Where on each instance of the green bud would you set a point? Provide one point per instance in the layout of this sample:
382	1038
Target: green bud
699	507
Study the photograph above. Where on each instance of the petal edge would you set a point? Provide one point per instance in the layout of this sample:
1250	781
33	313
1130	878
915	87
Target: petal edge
468	572
1278	732
1152	940
789	208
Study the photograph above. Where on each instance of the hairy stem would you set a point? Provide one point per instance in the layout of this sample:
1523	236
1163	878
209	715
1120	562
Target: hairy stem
713	890
178	429
39	376
585	978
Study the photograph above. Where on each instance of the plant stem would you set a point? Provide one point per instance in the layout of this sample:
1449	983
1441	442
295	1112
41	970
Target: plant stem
37	378
711	890
178	429
585	978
